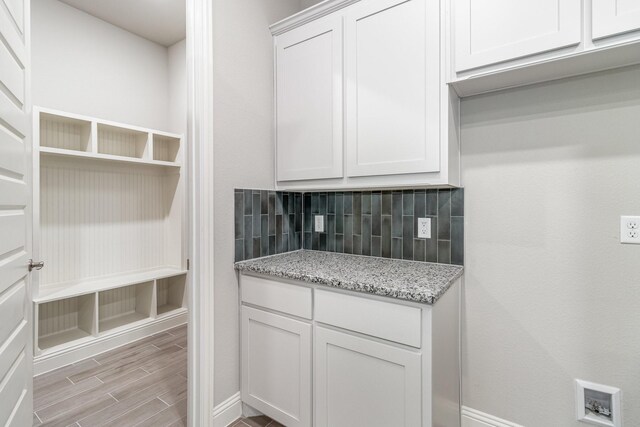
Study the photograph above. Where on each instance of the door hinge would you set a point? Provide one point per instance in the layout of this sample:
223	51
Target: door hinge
188	264
35	265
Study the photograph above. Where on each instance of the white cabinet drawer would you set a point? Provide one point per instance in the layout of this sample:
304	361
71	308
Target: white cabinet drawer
389	321
284	297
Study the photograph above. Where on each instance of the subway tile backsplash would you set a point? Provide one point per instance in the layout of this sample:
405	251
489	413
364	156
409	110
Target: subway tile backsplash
376	223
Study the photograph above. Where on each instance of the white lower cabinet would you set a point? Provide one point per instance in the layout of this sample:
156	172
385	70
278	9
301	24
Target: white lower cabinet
276	366
361	382
372	361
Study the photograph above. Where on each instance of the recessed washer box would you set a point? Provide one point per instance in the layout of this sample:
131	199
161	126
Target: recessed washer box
598	404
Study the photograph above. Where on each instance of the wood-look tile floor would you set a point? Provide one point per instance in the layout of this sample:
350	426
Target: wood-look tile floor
261	421
143	383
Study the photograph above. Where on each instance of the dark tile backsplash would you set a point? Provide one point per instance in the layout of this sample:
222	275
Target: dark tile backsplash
266	223
376	223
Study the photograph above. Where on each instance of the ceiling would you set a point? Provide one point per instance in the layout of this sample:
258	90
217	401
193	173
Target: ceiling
161	21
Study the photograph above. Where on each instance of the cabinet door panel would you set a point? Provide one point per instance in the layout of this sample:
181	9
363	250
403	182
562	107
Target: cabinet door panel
492	31
309	101
612	17
276	366
393	78
359	382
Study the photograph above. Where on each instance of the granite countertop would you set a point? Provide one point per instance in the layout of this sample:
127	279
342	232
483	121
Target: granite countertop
407	280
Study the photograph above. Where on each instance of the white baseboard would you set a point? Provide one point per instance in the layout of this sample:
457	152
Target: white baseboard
49	361
474	418
228	411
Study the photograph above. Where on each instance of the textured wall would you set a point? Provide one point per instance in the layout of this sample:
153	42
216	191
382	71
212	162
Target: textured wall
551	295
243	129
84	65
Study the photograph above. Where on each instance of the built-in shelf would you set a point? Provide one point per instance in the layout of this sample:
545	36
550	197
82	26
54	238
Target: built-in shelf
69	289
83	311
65	321
87	138
62	338
121	320
110	220
170	295
48	151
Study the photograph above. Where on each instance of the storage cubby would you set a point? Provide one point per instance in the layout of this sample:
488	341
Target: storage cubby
119	141
65	133
165	148
64	321
170	294
122	306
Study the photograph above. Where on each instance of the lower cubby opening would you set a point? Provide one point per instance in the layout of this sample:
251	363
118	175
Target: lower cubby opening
64	321
170	294
123	306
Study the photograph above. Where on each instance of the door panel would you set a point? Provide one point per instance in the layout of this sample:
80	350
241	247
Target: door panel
16	350
612	17
525	28
364	382
309	101
393	85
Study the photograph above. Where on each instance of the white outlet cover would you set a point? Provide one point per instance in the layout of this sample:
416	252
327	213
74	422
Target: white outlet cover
424	228
319	219
586	416
630	229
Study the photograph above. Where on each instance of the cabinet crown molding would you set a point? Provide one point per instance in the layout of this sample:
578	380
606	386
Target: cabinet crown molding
310	14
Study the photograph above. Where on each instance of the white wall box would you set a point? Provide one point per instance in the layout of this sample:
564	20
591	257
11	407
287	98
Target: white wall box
110	225
395	123
539	40
381	362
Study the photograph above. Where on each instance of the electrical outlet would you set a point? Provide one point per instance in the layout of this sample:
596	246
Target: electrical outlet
319	223
630	229
424	228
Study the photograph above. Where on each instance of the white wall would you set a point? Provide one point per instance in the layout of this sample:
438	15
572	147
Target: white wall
551	294
243	127
177	95
308	3
84	65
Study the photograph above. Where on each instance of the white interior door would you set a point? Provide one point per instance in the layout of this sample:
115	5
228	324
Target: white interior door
16	350
611	17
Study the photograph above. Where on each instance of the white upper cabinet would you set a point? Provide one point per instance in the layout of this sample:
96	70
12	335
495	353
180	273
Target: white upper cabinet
613	17
309	101
392	78
365	80
493	31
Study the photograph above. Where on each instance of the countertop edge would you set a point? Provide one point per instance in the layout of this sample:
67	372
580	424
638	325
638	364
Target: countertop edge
429	298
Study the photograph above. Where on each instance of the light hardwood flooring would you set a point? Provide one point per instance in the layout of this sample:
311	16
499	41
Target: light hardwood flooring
140	384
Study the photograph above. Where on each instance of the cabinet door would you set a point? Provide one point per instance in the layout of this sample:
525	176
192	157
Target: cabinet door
359	382
392	68
492	31
276	366
309	101
611	17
